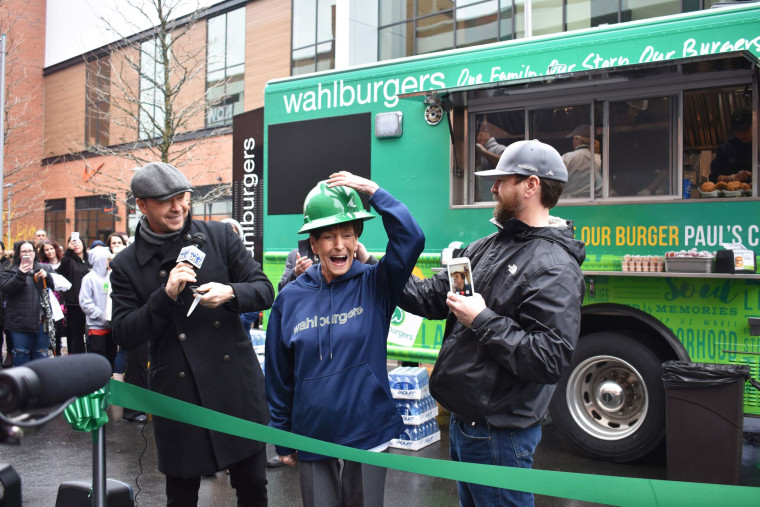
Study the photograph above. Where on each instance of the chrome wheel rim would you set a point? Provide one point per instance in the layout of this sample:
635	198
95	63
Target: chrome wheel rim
607	397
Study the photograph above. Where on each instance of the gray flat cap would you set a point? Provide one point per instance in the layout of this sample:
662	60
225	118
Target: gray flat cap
160	181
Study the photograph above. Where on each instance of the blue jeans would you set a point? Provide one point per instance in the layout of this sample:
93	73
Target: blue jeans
120	363
492	446
29	346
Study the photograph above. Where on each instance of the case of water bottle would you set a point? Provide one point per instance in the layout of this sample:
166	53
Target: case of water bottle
409	387
258	337
415	412
409	382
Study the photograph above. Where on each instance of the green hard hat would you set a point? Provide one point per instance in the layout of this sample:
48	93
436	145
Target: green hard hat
325	206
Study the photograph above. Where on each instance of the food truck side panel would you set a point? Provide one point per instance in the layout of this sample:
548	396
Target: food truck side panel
642	320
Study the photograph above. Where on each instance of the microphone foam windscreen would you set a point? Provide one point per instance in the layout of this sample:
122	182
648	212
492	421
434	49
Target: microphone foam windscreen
66	376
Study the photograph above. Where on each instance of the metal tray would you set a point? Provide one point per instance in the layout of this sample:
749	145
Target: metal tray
689	264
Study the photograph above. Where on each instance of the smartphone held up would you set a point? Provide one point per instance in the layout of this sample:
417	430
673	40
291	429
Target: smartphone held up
460	276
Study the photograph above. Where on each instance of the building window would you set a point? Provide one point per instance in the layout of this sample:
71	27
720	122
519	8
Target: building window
55	219
414	27
313	32
411	28
98	102
212	202
225	68
94	218
151	118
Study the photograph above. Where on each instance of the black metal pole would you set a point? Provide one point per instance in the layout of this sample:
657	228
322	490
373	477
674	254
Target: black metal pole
99	467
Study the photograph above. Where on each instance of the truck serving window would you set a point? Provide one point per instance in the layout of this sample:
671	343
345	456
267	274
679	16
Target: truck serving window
666	142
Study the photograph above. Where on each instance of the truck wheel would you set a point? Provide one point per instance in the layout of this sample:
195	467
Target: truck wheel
611	403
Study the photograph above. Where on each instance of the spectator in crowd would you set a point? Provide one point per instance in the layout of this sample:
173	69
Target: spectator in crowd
506	346
734	158
96	244
248	319
117	241
50	252
201	357
27	315
8	360
74	265
349	350
39	236
93	299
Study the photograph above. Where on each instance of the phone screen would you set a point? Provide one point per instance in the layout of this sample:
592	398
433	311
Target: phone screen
460	276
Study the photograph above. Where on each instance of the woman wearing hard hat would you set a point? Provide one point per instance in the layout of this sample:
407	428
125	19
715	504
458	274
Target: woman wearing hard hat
325	356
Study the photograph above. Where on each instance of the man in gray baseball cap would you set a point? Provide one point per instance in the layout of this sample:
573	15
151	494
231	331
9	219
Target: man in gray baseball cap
529	158
531	163
515	336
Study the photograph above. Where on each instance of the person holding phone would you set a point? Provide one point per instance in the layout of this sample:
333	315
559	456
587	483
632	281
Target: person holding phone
27	319
506	346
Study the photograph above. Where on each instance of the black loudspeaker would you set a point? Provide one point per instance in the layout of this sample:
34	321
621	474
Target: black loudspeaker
79	493
724	261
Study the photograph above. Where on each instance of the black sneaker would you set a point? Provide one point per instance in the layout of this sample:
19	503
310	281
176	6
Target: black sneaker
138	418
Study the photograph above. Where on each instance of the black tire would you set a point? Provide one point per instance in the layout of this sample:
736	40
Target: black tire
611	403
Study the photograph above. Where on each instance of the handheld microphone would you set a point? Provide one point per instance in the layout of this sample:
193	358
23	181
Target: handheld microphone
46	382
192	253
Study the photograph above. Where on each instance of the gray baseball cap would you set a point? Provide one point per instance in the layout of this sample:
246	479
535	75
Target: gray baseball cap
529	158
159	181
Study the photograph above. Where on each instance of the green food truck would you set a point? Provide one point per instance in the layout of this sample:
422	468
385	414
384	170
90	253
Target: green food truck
657	103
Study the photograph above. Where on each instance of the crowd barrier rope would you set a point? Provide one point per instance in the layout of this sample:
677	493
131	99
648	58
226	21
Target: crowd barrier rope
623	491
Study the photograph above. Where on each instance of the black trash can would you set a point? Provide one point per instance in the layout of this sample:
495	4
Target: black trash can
704	420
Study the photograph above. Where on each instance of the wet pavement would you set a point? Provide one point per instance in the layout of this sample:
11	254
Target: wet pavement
56	453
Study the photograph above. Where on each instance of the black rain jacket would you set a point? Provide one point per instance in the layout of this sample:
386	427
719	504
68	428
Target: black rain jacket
504	369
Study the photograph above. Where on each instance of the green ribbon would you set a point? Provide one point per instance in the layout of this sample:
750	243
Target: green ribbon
586	487
88	413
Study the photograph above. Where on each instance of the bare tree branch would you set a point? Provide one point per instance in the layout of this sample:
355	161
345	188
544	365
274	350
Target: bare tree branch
145	90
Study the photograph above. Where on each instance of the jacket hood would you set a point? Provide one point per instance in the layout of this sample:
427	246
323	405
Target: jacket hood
559	231
99	260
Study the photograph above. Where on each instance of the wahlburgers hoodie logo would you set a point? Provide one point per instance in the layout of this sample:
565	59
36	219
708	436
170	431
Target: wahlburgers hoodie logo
335	318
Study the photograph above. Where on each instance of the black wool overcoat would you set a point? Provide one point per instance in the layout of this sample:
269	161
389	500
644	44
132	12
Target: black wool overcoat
207	358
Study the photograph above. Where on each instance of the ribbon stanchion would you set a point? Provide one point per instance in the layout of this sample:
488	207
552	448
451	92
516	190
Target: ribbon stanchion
586	487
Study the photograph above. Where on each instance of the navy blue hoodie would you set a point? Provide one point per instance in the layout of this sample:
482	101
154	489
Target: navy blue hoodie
326	373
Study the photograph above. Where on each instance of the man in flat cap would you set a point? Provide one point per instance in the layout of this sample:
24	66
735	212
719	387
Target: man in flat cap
202	357
506	346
